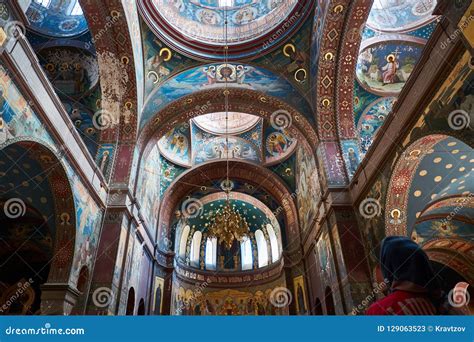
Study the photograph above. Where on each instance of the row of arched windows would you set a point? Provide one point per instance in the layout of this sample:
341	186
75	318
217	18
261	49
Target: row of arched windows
264	258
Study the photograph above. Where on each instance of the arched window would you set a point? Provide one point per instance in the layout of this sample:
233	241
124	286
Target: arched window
211	253
262	249
130	302
195	249
330	309
246	252
183	242
273	243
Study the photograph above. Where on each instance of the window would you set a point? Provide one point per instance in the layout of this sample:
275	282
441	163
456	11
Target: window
262	249
44	3
246	251
226	3
183	242
273	243
195	249
77	10
211	253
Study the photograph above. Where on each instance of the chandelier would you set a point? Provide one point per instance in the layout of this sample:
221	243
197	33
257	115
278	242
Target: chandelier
227	225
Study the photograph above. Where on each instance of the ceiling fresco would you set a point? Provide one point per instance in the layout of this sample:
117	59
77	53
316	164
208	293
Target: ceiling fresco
203	139
440	173
198	28
220	76
57	18
392	43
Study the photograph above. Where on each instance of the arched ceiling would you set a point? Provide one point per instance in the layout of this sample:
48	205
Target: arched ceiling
434	170
197	27
392	43
223	76
256	214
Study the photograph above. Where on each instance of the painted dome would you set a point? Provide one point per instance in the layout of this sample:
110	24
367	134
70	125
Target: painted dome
199	23
57	18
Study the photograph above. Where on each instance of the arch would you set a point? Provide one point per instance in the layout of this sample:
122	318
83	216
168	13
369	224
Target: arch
130	302
241	171
141	308
162	120
455	253
318	308
119	68
83	279
183	242
53	170
194	254
262	248
403	175
329	299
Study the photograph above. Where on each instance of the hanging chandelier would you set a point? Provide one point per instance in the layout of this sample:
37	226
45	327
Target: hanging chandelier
227	225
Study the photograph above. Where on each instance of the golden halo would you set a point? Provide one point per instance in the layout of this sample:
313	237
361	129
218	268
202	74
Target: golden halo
391	58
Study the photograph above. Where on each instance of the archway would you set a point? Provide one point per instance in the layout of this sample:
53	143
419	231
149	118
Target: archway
240	170
38	211
130	302
329	299
318	308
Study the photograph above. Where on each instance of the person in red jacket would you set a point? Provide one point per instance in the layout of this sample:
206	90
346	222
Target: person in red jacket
413	286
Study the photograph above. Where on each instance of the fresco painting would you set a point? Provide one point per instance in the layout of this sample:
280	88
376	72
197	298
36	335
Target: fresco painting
308	188
384	68
207	147
159	287
254	301
371	120
148	188
218	76
18	121
279	144
350	153
175	145
300	295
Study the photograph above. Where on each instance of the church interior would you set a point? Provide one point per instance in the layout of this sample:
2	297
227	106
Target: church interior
230	157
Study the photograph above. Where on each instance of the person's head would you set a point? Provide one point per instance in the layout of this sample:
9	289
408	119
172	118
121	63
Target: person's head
403	260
